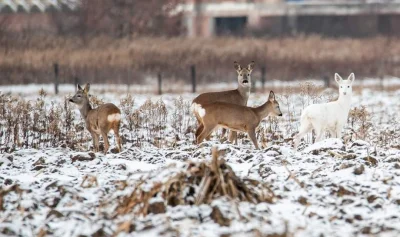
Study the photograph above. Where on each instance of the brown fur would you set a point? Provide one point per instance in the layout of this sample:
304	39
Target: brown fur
96	120
239	96
236	117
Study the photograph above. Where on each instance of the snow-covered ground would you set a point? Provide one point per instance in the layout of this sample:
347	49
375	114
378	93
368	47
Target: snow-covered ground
338	187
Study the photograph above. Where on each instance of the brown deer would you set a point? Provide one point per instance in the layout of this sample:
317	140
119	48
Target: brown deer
99	121
235	117
239	96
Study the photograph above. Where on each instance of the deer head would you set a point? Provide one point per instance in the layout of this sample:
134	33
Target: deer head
345	86
244	74
276	110
81	96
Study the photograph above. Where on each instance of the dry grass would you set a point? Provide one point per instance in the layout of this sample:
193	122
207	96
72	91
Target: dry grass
201	183
102	59
35	124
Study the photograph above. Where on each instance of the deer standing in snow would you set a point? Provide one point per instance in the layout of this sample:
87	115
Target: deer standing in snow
99	121
239	96
330	116
235	117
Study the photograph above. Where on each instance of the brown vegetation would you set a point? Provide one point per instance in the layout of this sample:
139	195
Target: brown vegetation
106	59
206	181
39	123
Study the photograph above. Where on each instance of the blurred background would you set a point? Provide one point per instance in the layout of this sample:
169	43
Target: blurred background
178	43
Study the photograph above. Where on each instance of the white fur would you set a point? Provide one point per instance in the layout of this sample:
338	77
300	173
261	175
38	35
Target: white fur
114	117
202	112
330	116
198	109
194	107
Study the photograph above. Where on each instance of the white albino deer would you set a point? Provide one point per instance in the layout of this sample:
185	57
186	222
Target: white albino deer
330	116
99	121
239	96
235	117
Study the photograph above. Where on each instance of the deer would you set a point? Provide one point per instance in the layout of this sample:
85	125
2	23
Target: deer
235	117
100	120
330	116
238	96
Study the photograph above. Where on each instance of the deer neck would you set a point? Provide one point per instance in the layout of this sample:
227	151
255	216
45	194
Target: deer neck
244	92
85	108
345	101
263	110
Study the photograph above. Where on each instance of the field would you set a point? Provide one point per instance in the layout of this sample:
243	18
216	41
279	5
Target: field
52	184
104	59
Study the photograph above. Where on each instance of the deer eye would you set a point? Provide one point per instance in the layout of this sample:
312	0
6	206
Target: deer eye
79	96
241	74
248	74
348	86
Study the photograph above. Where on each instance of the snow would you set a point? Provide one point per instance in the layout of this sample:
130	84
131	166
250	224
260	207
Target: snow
330	143
317	192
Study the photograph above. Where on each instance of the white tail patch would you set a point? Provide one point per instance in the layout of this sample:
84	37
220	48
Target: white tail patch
202	112
198	109
114	117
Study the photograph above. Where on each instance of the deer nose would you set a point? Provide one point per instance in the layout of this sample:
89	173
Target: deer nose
70	100
280	114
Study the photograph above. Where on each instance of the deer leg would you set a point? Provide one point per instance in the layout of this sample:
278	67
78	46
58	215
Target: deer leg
252	135
95	138
233	137
319	135
206	132
199	130
106	144
208	138
305	127
117	137
223	132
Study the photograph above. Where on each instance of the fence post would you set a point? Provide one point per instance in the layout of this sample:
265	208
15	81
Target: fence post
56	78
76	82
263	75
159	83
326	80
193	76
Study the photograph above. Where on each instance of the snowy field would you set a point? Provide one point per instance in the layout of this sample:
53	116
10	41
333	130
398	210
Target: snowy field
338	187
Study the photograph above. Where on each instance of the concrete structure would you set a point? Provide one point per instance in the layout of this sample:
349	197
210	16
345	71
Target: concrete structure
208	18
36	6
32	15
277	17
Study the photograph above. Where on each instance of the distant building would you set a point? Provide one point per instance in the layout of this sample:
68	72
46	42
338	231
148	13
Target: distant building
32	15
207	18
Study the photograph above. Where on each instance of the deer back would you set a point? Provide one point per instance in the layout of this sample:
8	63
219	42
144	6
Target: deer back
231	96
103	118
237	117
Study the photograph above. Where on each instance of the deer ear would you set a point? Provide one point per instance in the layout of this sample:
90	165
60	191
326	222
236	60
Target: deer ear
250	67
338	78
87	87
237	66
271	96
351	77
78	87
